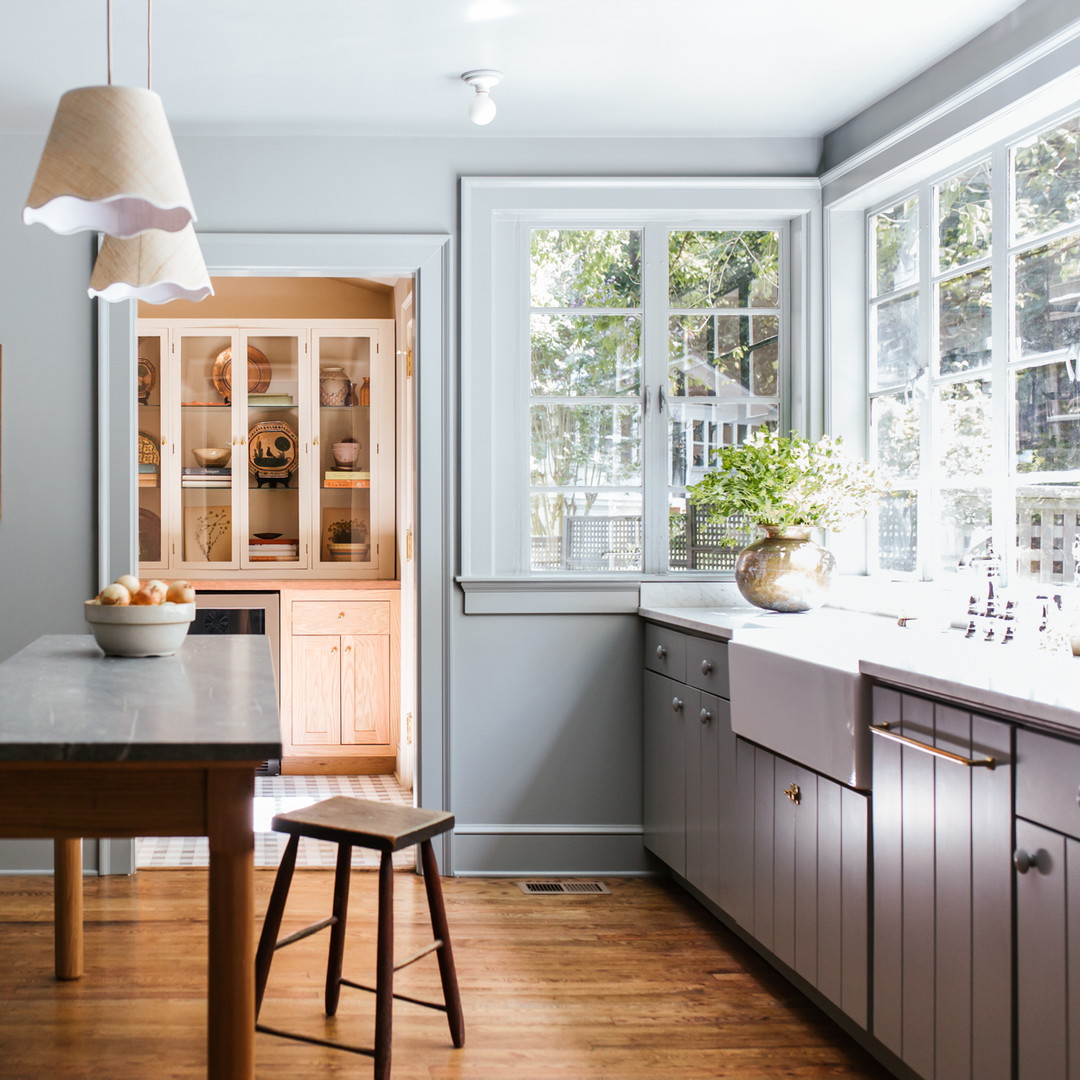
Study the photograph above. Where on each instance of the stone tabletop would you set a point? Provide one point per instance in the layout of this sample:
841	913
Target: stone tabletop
61	699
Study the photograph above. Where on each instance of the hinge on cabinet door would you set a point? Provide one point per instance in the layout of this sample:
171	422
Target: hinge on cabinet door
408	729
408	545
408	363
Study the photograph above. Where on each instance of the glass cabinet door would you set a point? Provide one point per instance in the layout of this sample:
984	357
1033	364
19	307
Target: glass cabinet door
272	438
207	448
345	384
152	449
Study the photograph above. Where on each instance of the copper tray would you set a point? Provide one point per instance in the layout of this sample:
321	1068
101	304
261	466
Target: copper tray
258	371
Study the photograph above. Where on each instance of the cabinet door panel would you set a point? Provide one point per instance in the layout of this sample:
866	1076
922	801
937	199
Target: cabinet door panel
665	651
704	743
888	876
991	901
917	890
664	806
952	868
764	832
806	880
1041	982
365	690
1072	909
831	893
693	770
784	813
316	673
739	870
854	910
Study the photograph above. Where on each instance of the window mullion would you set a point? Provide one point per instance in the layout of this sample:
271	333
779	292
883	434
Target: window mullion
654	288
928	343
1002	501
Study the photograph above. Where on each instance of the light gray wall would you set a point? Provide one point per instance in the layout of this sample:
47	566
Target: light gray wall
564	748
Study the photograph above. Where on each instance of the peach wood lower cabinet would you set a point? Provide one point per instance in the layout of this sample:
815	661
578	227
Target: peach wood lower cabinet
340	680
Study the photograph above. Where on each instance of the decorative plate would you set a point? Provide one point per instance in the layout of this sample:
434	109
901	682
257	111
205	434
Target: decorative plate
258	371
149	451
147	379
272	449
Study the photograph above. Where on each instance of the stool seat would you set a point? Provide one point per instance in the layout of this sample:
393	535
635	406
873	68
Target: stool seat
365	823
386	828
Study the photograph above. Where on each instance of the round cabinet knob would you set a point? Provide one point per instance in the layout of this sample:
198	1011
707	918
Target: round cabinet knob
333	650
704	716
341	614
706	667
314	442
661	652
1024	860
676	704
793	793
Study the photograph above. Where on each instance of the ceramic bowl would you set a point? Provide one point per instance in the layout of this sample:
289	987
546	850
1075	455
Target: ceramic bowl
139	630
212	456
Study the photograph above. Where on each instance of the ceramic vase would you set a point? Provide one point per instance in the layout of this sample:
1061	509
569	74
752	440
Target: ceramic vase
785	570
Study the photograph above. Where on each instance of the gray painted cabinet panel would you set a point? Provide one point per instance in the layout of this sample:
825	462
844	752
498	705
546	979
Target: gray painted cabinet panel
664	806
740	874
942	892
710	773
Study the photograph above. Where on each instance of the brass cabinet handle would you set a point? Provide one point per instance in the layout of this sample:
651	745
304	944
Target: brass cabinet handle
348	648
314	442
926	748
333	650
341	614
793	793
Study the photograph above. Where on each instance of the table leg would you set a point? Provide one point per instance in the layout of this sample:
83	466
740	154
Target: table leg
231	962
68	907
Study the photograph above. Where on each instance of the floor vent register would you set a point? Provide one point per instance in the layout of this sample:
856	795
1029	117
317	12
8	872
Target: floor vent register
544	888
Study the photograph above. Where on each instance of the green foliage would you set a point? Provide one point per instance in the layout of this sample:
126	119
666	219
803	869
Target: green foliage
779	481
347	532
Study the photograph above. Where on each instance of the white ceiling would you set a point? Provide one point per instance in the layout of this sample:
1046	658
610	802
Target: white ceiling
571	67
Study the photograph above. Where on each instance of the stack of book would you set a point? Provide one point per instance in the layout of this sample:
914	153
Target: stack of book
276	550
270	399
148	475
346	478
206	476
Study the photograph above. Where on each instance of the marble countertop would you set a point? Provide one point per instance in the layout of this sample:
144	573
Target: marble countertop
1015	680
61	699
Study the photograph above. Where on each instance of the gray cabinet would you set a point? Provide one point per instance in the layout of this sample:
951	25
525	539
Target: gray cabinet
806	840
1047	861
942	827
689	759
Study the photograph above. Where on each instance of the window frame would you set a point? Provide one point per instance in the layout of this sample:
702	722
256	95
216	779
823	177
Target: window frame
497	216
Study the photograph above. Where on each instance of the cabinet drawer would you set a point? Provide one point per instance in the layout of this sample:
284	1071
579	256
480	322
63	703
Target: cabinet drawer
1048	781
665	651
341	617
707	666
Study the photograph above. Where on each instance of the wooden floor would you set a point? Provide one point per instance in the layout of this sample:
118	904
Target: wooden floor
638	985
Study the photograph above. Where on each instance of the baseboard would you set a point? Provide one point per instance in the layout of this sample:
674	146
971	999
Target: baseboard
343	765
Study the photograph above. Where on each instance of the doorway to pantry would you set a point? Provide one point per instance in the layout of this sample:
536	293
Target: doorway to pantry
419	273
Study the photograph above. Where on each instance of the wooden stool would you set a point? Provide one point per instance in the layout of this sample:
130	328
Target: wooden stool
385	827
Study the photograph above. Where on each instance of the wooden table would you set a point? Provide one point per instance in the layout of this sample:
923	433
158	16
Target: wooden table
165	746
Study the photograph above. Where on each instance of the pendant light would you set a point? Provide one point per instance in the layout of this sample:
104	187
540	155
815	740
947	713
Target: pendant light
110	163
154	267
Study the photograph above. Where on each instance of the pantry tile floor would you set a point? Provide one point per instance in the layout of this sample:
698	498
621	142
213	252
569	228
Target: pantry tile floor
273	795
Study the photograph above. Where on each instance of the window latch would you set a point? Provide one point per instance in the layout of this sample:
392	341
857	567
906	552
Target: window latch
661	399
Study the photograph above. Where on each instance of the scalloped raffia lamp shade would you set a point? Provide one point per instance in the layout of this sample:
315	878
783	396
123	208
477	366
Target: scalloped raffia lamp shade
155	267
110	165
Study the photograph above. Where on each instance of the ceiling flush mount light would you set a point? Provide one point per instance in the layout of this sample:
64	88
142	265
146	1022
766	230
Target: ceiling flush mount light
155	267
110	164
482	108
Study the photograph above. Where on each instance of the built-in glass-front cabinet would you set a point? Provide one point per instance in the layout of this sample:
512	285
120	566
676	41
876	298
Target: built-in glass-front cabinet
282	466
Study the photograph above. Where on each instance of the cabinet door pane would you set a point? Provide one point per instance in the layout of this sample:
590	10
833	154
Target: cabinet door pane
152	450
346	385
271	465
207	446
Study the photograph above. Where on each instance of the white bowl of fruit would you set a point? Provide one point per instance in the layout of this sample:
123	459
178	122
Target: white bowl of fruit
141	618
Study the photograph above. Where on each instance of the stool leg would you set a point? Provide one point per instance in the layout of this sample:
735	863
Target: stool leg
272	923
337	930
441	929
384	968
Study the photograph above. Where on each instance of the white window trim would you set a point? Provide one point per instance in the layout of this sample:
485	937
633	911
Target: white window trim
493	472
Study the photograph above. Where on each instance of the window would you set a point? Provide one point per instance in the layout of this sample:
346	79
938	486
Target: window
606	396
615	331
974	336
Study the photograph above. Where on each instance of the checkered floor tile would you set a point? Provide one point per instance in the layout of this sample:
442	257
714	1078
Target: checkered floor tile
273	795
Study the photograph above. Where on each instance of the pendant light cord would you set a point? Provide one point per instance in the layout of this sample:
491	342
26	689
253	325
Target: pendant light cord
108	38
149	50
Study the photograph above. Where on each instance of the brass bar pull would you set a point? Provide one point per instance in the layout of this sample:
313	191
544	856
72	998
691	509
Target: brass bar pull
793	793
926	748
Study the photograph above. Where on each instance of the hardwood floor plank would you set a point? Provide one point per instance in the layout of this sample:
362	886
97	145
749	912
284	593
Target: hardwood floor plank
641	984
